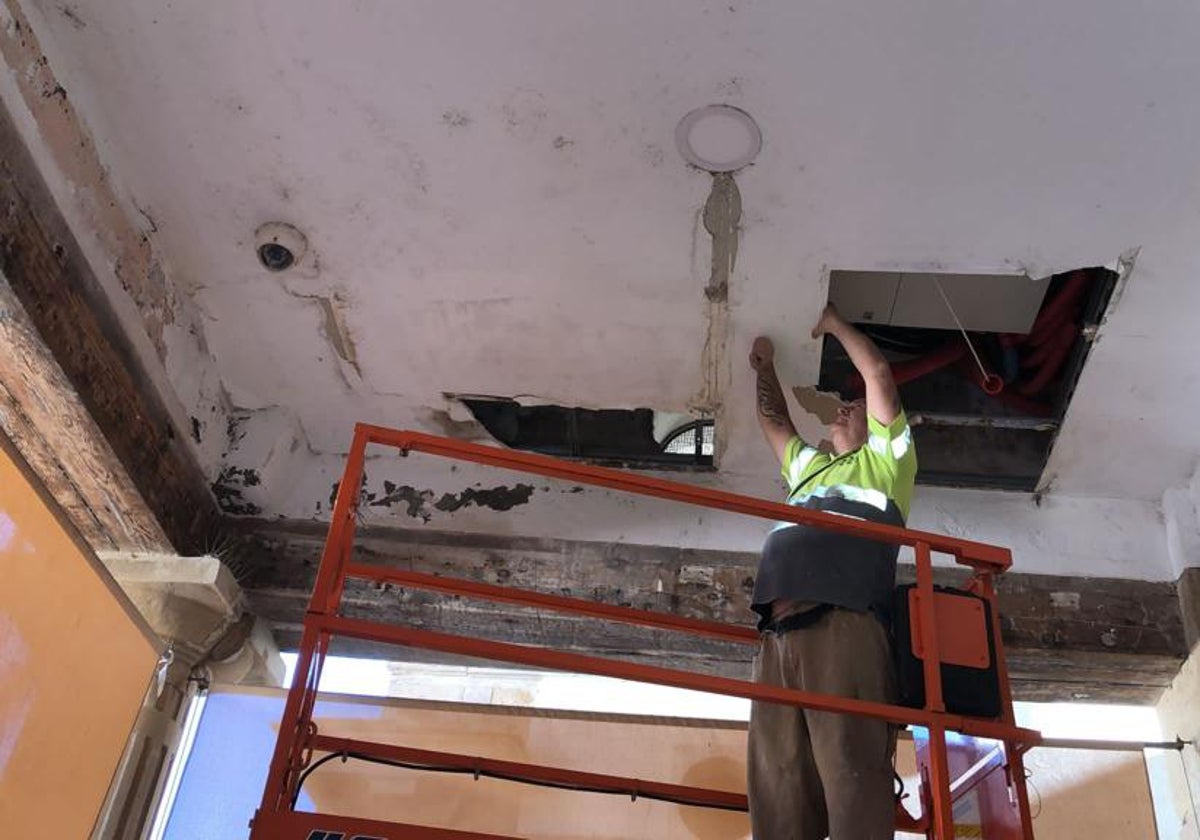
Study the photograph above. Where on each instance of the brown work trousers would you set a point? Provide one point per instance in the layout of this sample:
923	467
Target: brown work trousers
818	774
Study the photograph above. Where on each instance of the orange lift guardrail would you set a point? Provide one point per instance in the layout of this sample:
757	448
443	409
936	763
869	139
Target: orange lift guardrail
973	762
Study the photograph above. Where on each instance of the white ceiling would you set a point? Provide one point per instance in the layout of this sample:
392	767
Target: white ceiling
495	204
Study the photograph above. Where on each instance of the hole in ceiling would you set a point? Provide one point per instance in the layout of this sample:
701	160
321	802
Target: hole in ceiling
638	438
1032	337
718	138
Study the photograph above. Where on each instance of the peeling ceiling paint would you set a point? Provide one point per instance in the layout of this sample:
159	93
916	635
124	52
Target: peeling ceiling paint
495	206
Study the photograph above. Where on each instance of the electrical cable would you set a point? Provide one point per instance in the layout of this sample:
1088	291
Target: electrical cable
493	774
1038	793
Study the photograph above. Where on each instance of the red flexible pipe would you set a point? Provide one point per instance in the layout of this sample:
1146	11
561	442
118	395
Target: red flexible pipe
1048	330
1038	354
1055	313
1060	349
903	372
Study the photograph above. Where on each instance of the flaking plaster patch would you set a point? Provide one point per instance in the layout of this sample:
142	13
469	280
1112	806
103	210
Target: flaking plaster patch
117	237
337	333
332	307
448	426
261	459
1125	265
1065	600
229	489
720	217
722	213
420	504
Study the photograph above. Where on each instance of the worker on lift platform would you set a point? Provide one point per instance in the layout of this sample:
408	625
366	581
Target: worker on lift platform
824	602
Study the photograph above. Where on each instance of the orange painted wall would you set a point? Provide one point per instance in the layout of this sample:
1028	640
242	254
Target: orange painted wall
703	754
74	666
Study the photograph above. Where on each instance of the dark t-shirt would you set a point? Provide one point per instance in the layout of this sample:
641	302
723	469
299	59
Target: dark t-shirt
874	482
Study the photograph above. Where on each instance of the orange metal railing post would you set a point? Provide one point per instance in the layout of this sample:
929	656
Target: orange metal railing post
942	818
1016	769
927	622
280	776
331	573
297	711
939	766
986	587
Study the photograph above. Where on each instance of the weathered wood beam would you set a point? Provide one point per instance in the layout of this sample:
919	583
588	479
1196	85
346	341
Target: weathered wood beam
1068	638
45	419
139	453
1189	605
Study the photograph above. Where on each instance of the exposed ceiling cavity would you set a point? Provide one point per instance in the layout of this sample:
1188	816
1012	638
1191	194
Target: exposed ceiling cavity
986	401
996	303
632	438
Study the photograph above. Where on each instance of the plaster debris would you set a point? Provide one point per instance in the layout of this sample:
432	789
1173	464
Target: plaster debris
448	426
823	404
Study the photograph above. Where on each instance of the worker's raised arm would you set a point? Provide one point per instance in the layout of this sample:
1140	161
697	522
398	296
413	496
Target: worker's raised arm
772	408
883	400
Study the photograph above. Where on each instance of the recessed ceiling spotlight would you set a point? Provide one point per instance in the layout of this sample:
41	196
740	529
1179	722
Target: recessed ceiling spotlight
718	138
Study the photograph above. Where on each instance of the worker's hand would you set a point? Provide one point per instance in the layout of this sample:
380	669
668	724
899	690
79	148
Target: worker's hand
829	320
762	353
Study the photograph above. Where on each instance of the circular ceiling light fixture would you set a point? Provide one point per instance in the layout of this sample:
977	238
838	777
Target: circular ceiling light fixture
718	138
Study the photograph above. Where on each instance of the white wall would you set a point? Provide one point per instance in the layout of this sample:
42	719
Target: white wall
1179	712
